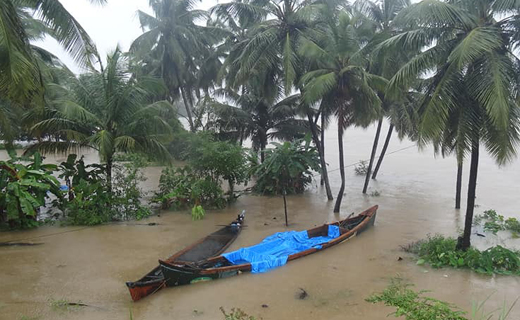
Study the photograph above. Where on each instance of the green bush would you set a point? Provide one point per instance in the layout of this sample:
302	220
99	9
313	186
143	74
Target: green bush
439	251
24	188
288	167
94	201
183	187
221	161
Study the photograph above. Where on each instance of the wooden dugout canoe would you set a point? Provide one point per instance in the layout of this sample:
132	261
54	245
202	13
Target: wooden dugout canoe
176	273
209	246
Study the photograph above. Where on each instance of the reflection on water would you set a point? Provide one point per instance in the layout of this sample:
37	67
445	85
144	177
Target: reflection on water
92	264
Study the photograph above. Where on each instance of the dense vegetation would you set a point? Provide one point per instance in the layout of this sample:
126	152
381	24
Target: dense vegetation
439	252
442	72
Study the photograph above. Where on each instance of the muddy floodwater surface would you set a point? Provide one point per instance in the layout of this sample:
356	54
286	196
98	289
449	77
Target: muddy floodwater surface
90	265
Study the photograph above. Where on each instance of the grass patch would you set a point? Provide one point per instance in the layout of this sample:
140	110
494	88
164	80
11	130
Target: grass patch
414	305
439	252
236	314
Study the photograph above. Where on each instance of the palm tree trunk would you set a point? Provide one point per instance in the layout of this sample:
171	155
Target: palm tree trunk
109	173
319	146
383	152
459	185
322	150
341	170
372	155
263	144
188	110
465	242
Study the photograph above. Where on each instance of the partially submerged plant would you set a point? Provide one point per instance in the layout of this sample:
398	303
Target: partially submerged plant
197	213
361	168
439	252
236	314
413	305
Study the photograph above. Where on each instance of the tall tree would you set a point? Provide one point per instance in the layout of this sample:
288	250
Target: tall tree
176	48
339	78
20	78
468	45
380	16
254	116
107	111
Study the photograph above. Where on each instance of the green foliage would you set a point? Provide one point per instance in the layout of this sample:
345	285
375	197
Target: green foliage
236	314
494	222
439	251
24	188
184	187
287	167
221	160
199	183
93	201
413	305
197	213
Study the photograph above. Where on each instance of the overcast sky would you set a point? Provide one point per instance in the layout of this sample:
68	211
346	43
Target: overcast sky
109	25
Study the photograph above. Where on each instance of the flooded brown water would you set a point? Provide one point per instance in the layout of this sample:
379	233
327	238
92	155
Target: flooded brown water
92	264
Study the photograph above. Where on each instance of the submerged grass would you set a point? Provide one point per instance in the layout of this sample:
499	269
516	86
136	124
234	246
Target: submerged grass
414	305
439	251
236	314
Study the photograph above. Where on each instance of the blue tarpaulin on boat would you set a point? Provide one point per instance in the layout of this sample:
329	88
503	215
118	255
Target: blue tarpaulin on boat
274	250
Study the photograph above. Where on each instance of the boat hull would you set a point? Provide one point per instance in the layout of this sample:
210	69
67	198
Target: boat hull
207	247
176	274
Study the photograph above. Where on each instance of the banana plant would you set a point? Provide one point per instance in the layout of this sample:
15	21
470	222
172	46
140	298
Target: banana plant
24	188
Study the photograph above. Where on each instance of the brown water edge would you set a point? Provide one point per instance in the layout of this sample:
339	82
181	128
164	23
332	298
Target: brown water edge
417	190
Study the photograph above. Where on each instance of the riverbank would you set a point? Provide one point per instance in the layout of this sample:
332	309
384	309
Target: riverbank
417	197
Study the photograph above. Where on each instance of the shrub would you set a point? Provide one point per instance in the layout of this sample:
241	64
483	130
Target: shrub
94	202
183	187
288	167
439	251
221	161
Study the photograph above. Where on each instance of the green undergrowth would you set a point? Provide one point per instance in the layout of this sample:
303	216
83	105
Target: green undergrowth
494	222
439	251
415	305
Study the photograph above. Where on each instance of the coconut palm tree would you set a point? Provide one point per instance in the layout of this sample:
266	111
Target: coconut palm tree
175	47
20	79
107	111
253	116
468	46
272	41
339	78
379	15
